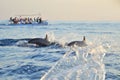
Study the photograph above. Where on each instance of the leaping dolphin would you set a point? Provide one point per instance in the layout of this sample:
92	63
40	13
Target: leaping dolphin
78	43
40	41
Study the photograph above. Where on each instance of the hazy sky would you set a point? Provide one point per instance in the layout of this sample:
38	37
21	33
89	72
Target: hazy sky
63	9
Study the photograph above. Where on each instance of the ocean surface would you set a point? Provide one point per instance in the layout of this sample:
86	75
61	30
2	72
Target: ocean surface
100	60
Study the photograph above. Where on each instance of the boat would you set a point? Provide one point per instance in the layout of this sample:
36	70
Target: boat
24	20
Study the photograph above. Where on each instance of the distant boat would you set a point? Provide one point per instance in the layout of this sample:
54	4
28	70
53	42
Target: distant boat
24	20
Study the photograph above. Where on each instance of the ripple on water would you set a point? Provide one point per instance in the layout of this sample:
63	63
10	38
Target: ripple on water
29	69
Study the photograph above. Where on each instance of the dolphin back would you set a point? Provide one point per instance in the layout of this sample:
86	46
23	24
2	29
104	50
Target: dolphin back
77	43
39	42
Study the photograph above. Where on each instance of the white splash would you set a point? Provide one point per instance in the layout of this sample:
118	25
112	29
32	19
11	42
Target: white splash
24	43
62	41
85	64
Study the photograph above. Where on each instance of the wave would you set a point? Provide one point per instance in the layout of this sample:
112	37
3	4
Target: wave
85	64
10	42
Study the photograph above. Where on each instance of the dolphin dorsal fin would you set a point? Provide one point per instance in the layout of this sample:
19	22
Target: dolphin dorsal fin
46	37
84	38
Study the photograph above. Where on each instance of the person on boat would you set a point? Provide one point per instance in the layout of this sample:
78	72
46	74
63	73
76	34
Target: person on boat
15	20
37	20
26	21
11	19
30	21
21	20
40	20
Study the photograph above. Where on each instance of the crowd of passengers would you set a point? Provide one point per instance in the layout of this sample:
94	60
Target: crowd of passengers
25	20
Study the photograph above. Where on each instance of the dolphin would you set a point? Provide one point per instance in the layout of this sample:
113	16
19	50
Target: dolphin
42	42
78	43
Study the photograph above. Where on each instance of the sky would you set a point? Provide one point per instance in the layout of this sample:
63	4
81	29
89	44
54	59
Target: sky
86	10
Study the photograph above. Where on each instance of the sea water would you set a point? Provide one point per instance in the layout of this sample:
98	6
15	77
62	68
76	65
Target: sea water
100	60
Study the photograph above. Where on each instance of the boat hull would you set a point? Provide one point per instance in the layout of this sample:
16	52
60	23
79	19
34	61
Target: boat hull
32	24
